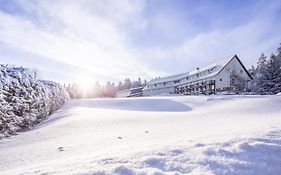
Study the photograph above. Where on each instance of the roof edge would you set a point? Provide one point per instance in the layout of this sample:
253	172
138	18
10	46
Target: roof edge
240	62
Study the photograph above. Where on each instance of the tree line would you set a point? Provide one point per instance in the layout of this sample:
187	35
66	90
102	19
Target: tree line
97	90
267	74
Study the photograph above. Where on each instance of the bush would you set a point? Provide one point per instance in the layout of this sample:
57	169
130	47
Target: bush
26	100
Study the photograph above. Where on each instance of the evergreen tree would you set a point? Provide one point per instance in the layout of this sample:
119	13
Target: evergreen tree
109	90
120	86
137	83
261	74
127	84
144	82
269	80
276	63
261	64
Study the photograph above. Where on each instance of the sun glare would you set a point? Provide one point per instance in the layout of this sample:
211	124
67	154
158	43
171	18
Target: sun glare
85	82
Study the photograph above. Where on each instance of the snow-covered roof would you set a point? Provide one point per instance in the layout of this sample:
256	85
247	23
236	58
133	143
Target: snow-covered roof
168	78
213	69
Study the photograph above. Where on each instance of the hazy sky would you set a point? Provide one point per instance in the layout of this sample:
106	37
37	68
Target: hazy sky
112	39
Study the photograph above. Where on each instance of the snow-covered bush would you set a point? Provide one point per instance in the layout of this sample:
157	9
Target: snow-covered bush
26	100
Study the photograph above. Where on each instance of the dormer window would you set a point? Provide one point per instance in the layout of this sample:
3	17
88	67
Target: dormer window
210	70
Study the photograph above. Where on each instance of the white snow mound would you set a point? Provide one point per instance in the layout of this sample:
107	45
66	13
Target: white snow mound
160	135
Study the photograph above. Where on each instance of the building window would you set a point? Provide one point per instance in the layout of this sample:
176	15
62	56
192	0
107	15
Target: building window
220	79
233	81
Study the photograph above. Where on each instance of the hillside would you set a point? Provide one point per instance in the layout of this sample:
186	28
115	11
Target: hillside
161	135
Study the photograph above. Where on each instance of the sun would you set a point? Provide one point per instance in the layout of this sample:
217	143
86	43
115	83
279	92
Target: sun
85	82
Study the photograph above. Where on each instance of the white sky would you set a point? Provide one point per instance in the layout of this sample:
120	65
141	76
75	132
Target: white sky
114	39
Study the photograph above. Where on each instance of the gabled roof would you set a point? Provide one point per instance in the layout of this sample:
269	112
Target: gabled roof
248	73
213	69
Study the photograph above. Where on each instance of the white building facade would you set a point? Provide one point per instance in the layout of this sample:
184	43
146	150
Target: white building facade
225	76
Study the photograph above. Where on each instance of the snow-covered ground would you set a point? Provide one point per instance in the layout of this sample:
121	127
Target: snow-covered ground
160	135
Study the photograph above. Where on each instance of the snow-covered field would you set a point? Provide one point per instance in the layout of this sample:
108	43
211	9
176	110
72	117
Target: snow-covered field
160	135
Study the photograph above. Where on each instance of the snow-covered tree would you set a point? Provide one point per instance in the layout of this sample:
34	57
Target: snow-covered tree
109	90
120	86
276	66
137	83
261	74
269	75
144	82
261	64
26	100
127	83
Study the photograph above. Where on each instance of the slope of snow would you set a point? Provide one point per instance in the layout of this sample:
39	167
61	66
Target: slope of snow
160	135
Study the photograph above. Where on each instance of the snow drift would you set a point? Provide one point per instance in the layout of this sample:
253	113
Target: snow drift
25	100
206	135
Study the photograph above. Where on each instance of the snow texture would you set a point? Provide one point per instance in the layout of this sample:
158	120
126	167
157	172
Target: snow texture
25	100
161	135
